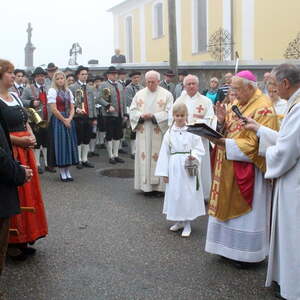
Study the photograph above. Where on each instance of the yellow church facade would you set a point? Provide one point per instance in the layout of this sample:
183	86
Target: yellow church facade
259	30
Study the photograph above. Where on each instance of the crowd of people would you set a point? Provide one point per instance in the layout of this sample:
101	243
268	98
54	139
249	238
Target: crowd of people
248	176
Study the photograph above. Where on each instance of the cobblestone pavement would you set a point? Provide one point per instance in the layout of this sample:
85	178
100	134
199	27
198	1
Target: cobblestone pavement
107	241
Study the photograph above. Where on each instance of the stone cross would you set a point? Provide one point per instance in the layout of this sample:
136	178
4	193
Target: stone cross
29	31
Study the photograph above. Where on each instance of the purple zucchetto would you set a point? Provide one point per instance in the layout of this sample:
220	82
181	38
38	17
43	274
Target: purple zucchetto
246	75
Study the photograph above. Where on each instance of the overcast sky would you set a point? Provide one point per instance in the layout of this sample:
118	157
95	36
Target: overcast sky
57	24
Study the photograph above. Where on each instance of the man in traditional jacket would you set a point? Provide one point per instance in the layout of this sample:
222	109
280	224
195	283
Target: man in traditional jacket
179	86
35	96
200	110
51	69
282	152
132	88
167	83
18	86
239	208
149	113
112	98
85	114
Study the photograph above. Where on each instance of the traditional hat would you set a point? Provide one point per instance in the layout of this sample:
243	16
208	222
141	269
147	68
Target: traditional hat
169	73
16	71
112	70
39	71
246	75
51	67
81	68
122	71
183	73
134	73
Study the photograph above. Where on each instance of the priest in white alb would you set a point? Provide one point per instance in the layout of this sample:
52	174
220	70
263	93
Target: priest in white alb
200	110
282	152
239	207
149	113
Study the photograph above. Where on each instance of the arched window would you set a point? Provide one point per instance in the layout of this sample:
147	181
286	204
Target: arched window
158	28
129	39
199	26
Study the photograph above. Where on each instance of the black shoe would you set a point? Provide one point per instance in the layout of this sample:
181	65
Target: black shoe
159	194
132	156
70	179
86	164
28	250
50	169
112	161
79	166
95	154
20	257
242	265
63	179
40	170
119	160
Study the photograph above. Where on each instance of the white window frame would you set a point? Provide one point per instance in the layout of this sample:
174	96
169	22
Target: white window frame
194	14
154	23
127	39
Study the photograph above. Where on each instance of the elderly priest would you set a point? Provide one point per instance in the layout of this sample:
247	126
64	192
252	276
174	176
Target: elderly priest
239	208
282	152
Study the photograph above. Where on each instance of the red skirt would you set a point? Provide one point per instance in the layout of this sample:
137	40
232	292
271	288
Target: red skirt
31	224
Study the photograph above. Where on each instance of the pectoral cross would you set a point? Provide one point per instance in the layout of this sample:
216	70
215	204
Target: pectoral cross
265	111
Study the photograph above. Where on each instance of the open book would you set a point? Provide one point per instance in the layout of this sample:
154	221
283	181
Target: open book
203	130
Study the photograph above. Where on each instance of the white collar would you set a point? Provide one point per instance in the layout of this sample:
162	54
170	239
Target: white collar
175	128
18	85
193	97
81	83
39	85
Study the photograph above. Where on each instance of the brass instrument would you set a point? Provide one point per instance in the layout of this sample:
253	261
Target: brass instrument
35	118
79	102
106	94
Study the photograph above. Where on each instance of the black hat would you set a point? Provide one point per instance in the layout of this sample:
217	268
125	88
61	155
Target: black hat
39	71
81	68
16	71
111	70
51	67
67	69
99	77
133	73
169	73
183	73
122	71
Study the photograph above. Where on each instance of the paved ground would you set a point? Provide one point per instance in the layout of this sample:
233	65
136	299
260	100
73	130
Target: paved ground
107	241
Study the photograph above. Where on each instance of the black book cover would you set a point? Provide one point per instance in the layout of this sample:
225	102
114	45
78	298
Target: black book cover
204	130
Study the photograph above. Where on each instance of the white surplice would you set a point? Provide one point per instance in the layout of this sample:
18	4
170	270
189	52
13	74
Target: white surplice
245	238
201	110
282	152
149	135
182	199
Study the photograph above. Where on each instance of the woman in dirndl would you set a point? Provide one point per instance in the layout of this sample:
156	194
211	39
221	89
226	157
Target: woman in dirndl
31	224
63	151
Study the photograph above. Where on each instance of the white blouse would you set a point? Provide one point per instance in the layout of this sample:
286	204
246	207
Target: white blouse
52	94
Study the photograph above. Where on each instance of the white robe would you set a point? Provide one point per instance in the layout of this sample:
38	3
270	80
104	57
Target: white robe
282	151
245	238
149	136
201	110
182	200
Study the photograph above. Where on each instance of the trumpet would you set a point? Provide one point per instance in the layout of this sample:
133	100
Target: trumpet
79	95
35	118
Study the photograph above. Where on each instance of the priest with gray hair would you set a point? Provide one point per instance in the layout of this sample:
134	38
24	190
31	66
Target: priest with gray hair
149	112
282	153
